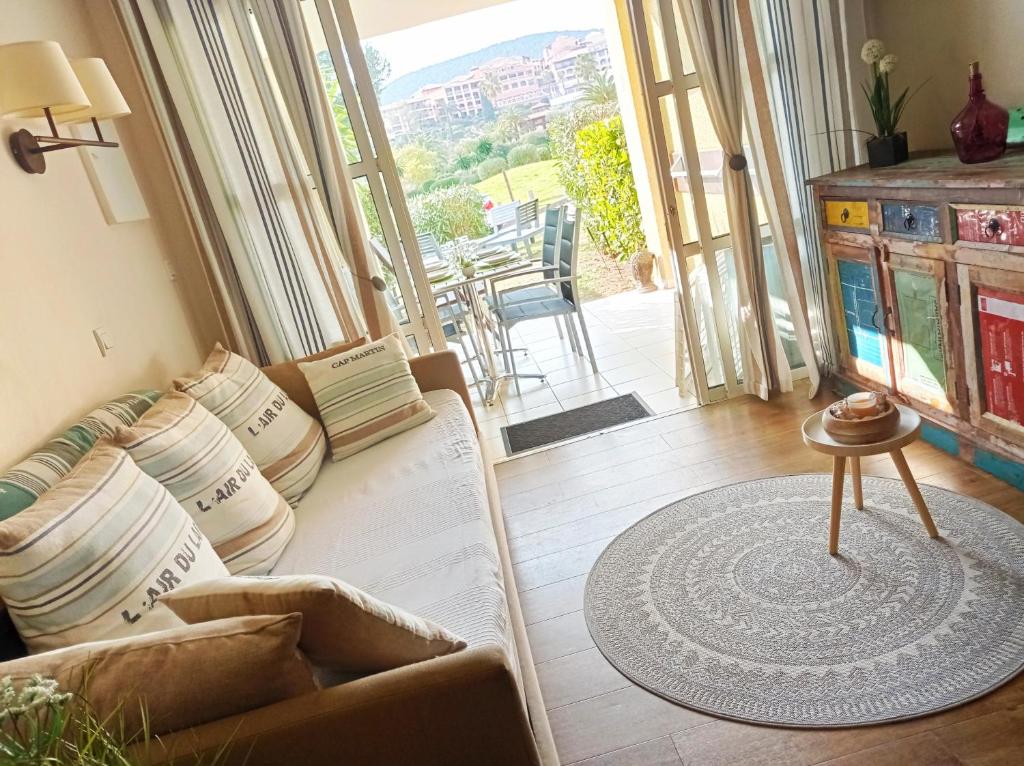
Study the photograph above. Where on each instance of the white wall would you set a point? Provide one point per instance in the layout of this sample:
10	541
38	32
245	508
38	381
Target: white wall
938	40
64	271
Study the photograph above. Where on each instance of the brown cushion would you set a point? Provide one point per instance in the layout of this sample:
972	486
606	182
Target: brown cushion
187	676
288	377
343	628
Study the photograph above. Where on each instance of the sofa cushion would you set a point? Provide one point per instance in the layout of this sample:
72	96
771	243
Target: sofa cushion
343	628
287	444
201	463
366	395
185	676
23	483
408	521
87	561
290	379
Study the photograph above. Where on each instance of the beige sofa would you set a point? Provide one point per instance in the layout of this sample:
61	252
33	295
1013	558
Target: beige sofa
416	521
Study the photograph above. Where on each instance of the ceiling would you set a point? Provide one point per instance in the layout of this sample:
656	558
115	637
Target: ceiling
378	17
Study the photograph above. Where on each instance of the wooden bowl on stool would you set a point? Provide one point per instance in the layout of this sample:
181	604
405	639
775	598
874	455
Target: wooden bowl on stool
873	428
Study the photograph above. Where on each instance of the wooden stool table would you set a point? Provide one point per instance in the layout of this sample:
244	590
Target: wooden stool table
818	439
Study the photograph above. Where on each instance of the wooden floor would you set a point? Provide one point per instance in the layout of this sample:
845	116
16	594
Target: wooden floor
563	506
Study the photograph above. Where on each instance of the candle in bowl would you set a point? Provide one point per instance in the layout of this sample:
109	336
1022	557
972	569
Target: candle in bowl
862	404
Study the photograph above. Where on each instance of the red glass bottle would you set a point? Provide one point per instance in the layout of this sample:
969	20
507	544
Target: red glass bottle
979	131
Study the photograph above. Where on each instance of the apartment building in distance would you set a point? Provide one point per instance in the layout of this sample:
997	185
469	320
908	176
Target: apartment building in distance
505	82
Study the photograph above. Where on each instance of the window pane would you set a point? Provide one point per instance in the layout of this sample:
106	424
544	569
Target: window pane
780	305
712	161
726	265
680	182
330	80
656	39
684	45
379	249
704	314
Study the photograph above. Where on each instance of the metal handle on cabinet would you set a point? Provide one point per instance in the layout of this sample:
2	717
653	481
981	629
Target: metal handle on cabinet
910	222
845	215
992	227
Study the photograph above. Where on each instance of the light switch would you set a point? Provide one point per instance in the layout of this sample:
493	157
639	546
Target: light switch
104	340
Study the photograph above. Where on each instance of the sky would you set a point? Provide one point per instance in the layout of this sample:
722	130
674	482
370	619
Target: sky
417	47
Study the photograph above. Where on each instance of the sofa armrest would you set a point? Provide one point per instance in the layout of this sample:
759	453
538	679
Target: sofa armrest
442	370
463	708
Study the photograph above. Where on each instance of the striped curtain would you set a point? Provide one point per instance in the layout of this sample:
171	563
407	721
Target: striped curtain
293	62
806	59
297	293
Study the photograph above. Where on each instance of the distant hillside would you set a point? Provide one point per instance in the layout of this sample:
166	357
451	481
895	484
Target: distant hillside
531	46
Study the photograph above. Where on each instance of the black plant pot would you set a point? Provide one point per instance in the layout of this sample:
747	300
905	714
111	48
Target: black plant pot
887	150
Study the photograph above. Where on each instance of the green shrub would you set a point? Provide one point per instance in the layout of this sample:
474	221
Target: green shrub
449	213
445	182
523	154
538	138
594	167
543	153
491	167
469	177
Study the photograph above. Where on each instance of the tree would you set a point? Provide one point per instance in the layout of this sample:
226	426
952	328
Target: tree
599	89
510	126
417	164
379	66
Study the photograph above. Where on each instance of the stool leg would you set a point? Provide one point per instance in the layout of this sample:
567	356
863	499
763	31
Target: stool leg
858	493
914	492
838	471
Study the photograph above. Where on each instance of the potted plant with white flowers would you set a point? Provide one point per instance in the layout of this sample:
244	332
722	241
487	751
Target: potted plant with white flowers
888	146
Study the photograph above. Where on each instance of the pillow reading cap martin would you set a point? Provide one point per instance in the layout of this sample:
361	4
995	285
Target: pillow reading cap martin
201	463
286	443
89	559
366	395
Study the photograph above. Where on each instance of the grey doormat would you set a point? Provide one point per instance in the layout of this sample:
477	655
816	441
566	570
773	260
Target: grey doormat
728	602
575	422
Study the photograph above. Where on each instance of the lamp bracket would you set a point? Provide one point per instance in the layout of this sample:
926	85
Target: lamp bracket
29	154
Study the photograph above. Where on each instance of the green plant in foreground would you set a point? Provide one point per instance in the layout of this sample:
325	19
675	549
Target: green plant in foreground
43	726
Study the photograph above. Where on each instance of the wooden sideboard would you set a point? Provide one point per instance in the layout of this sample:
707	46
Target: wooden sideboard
925	269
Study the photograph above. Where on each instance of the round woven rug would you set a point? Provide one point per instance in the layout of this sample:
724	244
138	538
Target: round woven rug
728	602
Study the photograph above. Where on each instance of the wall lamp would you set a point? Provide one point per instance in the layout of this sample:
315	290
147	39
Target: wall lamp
38	80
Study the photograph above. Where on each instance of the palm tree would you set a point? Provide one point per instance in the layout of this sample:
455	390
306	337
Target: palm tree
599	89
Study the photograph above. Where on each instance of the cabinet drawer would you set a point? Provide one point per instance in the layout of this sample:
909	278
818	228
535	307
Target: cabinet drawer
999	226
913	221
846	214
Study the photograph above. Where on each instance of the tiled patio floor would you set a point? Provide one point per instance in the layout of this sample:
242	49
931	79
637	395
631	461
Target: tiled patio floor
633	340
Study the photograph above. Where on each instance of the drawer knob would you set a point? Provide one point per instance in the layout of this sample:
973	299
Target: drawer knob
992	227
910	222
845	215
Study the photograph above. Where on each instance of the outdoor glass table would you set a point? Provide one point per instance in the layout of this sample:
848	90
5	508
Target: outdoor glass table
467	288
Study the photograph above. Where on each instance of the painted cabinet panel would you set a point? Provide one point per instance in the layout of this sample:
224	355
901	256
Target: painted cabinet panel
1000	227
847	214
1001	331
858	298
912	221
924	371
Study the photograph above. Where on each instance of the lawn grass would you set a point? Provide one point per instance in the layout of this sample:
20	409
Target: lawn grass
600	275
541	178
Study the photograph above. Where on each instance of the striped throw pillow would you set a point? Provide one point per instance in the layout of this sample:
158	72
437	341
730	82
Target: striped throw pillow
89	559
201	463
23	483
366	395
286	443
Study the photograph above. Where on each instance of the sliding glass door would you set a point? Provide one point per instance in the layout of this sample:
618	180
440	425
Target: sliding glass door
346	77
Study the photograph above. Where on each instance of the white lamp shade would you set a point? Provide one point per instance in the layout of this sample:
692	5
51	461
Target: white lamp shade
107	103
35	75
